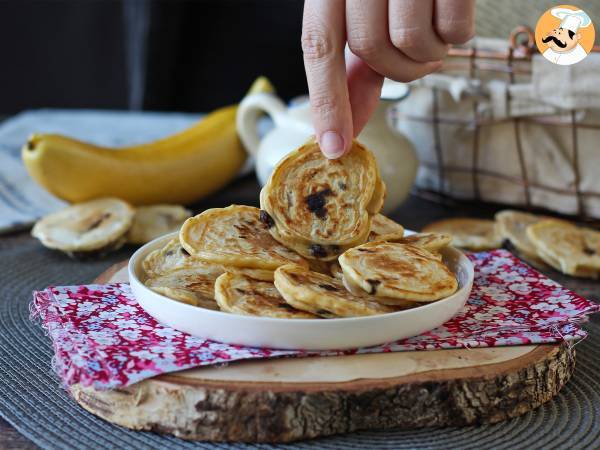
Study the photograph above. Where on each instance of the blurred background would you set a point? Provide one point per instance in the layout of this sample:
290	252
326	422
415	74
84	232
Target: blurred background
172	55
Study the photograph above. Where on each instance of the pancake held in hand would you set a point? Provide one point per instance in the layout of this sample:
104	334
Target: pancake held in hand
154	221
384	229
194	286
84	228
392	270
566	247
235	236
467	233
323	295
319	206
239	294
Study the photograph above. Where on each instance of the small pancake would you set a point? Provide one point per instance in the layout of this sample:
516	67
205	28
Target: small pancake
235	236
384	229
402	271
314	200
86	227
194	286
468	233
570	249
432	242
323	295
154	221
238	294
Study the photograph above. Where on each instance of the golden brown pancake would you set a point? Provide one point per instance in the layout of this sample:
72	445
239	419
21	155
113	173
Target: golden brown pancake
323	295
391	270
239	294
468	233
235	236
384	229
319	206
570	249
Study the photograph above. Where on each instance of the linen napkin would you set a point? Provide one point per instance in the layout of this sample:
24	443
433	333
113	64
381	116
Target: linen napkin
103	338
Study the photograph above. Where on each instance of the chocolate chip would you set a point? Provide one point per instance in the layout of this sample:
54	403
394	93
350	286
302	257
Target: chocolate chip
373	284
342	186
366	250
589	251
266	218
318	251
316	203
328	287
184	252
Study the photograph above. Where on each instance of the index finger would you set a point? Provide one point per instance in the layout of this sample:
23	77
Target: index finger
323	40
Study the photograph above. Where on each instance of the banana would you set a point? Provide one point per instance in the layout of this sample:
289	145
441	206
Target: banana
181	168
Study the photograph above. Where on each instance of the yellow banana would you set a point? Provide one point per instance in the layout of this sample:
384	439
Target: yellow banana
181	168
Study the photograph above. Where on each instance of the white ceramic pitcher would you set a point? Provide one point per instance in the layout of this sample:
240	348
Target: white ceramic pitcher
293	126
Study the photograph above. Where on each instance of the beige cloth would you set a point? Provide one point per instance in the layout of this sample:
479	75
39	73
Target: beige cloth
551	92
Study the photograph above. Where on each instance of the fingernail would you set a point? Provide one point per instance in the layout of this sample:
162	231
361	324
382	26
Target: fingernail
332	144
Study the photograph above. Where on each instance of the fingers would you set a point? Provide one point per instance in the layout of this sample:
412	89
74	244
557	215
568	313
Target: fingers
323	41
364	87
411	30
454	20
368	38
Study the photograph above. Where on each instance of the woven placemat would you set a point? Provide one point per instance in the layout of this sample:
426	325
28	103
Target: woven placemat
32	401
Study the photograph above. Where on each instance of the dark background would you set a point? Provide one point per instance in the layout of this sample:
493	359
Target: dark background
155	54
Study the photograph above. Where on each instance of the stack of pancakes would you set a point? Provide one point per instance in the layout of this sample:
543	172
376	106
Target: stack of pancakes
317	248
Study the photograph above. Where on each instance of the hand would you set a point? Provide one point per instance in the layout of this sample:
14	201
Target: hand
398	39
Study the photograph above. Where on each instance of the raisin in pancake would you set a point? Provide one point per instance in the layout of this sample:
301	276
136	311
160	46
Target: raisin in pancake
384	229
194	286
239	294
512	226
467	233
314	200
323	295
154	221
234	236
566	247
387	269
86	227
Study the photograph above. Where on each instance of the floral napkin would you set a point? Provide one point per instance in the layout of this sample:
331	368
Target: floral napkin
103	338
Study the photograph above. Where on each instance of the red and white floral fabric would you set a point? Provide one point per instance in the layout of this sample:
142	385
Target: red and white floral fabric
103	338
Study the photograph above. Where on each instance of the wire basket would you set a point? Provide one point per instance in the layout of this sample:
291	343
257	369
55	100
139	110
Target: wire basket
513	66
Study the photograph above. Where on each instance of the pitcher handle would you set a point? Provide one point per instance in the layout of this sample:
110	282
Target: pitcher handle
250	110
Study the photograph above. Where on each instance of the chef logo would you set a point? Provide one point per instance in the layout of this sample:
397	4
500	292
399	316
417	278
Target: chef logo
564	35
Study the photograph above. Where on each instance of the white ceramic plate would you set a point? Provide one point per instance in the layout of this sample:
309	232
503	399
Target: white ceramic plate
308	334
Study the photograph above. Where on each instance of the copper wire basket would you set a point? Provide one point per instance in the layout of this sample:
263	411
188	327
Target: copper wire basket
515	63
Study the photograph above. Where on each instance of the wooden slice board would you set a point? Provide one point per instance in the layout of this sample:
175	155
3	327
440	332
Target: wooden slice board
290	399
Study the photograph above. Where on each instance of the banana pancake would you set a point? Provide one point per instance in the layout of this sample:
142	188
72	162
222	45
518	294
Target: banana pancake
320	206
86	227
239	294
468	233
432	242
384	228
570	249
194	286
323	295
235	236
154	221
392	270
